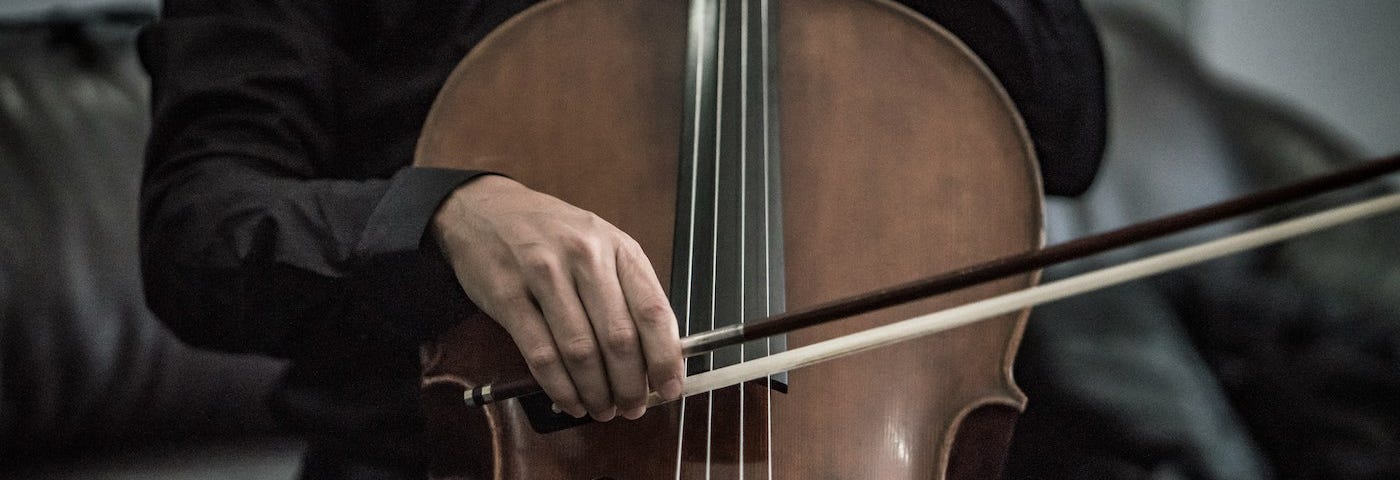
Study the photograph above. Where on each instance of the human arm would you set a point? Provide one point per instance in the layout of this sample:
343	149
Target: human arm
250	241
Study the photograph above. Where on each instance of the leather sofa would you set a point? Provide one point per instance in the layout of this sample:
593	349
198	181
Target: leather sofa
92	384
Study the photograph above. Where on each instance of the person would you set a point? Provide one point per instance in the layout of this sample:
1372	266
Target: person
280	214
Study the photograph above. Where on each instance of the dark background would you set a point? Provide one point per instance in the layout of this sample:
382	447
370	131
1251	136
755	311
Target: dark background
1283	363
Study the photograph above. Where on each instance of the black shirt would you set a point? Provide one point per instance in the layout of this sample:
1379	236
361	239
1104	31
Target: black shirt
279	214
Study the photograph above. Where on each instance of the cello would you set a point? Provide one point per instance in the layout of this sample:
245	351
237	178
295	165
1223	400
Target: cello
767	155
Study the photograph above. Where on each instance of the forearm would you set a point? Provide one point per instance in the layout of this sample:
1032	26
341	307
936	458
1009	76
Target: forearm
257	235
239	259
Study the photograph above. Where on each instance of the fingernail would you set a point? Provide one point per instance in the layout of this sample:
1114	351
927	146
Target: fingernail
605	415
635	413
671	390
576	413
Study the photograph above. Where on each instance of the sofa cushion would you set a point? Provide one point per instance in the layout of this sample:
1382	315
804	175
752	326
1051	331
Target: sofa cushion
85	364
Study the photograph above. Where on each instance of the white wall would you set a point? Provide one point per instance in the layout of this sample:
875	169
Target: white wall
1337	59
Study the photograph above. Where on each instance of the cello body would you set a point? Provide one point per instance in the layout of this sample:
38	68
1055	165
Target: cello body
902	157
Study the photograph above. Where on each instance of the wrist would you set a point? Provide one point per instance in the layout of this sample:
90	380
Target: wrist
467	199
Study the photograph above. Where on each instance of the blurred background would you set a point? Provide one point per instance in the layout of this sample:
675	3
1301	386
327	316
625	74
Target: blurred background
1282	363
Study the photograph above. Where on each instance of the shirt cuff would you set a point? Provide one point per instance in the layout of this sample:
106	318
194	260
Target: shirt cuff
403	284
398	222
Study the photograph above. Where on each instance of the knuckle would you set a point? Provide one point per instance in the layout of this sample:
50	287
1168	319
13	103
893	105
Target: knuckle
541	357
584	247
594	221
630	245
540	264
621	340
505	293
579	350
654	312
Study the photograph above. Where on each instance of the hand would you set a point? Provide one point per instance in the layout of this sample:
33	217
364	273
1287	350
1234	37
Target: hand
577	295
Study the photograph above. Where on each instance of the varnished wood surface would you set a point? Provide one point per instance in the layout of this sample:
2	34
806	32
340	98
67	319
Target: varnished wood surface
901	159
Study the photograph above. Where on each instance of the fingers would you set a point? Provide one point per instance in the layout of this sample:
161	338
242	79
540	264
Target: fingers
531	335
655	322
553	287
576	294
596	273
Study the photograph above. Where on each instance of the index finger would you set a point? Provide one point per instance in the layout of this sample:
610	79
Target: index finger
656	323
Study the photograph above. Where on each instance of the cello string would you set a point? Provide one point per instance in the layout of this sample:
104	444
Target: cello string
932	323
767	244
714	219
700	11
743	195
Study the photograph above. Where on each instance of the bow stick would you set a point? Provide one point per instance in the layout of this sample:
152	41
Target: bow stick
929	324
1000	268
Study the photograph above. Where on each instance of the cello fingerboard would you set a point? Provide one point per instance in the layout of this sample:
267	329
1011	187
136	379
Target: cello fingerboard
727	265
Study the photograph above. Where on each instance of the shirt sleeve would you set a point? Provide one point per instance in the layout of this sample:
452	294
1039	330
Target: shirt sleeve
1046	54
249	241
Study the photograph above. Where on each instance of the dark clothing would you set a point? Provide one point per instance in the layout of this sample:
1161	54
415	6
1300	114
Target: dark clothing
279	214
